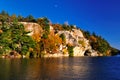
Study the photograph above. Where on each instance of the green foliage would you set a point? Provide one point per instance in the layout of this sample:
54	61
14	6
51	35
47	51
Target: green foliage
15	39
72	26
44	23
30	18
114	51
101	45
20	18
66	27
81	42
47	29
97	42
63	37
45	36
70	51
20	37
4	13
86	34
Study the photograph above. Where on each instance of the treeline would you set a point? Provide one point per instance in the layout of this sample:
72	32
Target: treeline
100	44
4	16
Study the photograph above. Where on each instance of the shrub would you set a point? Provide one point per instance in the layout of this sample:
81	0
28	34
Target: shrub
70	51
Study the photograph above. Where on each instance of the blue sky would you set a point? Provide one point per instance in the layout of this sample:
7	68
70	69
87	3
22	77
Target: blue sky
99	16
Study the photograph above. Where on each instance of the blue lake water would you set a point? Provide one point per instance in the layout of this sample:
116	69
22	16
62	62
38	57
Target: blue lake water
77	68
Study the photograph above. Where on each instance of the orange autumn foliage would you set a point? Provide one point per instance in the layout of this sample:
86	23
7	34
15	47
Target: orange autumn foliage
36	37
1	31
52	43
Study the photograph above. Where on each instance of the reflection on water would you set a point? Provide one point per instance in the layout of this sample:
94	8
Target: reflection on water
79	68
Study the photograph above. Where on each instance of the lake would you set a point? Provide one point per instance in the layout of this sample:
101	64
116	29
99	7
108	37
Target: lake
76	68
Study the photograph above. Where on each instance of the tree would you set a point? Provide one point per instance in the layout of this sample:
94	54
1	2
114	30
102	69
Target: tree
62	36
57	27
20	37
65	27
51	43
70	50
4	13
29	18
43	21
5	43
99	44
45	36
13	17
114	51
16	39
20	18
86	34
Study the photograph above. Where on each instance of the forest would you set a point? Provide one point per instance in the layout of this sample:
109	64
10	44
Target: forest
15	41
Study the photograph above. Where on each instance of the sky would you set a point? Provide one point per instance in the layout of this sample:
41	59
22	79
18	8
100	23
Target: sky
99	16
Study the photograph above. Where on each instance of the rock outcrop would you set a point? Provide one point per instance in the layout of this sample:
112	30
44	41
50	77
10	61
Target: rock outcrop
34	29
81	44
74	37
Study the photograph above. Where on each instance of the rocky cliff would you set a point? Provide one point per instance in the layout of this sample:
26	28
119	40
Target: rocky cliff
34	28
39	37
79	42
74	37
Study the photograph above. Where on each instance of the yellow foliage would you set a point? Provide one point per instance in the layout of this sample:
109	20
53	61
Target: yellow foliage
36	37
30	49
1	31
108	53
82	43
65	51
52	43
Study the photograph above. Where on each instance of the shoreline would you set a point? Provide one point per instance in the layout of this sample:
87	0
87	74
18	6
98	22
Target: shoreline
45	56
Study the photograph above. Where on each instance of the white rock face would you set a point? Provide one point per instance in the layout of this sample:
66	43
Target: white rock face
94	53
78	51
77	33
34	28
73	37
51	28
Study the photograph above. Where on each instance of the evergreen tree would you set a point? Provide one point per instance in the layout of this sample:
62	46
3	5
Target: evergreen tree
15	39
